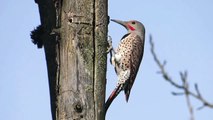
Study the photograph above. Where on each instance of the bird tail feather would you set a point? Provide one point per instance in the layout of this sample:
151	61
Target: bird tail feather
112	96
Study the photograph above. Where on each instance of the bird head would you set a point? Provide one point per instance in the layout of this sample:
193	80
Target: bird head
131	26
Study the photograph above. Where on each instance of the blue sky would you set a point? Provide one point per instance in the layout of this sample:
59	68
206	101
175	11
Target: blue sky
182	32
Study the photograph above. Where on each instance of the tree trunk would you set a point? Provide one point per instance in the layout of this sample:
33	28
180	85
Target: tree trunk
74	37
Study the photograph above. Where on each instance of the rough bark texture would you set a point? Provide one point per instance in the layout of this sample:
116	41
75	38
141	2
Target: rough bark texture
76	56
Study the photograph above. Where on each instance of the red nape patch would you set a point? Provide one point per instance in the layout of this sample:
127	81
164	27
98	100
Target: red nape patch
130	27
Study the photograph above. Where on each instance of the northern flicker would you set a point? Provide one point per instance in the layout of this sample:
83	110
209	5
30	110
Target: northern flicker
127	58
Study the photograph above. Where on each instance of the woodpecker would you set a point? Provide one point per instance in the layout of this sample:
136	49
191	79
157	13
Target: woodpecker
127	58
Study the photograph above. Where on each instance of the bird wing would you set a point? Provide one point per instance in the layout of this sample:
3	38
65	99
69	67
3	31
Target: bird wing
136	55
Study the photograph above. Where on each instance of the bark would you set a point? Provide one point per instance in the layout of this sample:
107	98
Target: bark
74	38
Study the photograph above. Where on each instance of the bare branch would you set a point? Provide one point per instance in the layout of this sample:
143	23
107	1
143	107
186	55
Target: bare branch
184	86
186	92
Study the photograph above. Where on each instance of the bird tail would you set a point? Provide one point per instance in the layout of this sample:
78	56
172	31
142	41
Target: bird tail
127	92
113	95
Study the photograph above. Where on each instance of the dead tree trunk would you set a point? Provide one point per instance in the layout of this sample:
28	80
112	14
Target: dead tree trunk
74	34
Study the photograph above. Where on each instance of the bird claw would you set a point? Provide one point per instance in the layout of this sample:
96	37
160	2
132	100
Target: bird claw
109	48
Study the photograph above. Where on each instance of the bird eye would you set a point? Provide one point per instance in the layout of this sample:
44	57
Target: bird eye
133	22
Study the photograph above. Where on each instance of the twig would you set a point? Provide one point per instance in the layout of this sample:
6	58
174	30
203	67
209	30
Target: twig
184	86
186	92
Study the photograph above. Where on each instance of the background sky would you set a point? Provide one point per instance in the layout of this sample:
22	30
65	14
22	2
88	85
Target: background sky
182	32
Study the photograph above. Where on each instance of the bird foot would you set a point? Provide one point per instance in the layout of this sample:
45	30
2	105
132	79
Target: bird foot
109	48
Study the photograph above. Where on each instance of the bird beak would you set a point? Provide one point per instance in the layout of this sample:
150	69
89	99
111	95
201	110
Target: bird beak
123	23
